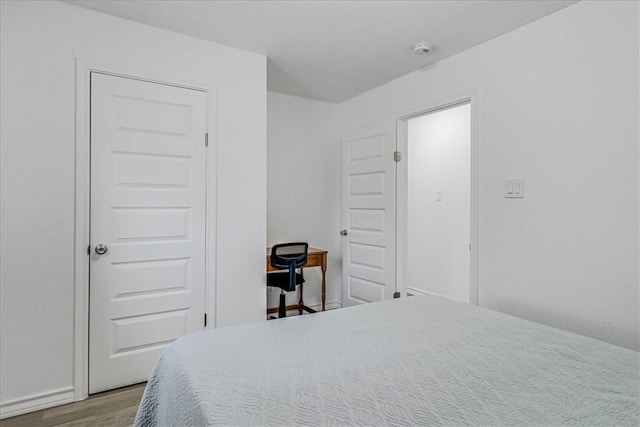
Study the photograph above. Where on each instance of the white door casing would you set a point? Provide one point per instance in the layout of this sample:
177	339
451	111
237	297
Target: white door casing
148	198
368	217
472	98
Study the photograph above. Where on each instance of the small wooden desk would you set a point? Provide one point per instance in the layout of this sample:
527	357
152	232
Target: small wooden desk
315	258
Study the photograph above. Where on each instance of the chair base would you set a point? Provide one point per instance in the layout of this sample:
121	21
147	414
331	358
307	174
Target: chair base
283	308
291	307
305	308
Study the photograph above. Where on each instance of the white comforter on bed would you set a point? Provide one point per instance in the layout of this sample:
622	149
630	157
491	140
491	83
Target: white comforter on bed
411	361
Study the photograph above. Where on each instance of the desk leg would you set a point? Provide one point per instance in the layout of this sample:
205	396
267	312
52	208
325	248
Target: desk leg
324	286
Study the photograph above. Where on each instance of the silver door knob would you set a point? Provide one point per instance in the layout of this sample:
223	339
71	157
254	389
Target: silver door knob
101	249
343	232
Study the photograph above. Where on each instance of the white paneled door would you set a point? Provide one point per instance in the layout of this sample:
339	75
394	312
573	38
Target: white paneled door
368	236
147	252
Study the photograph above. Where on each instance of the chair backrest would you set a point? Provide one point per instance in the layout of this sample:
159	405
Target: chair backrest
289	255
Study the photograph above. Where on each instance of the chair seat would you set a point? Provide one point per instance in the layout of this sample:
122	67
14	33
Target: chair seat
280	279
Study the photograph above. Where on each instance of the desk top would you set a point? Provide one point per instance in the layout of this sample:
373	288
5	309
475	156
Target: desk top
315	258
311	251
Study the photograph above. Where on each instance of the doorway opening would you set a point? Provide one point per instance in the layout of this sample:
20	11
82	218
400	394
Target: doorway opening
437	203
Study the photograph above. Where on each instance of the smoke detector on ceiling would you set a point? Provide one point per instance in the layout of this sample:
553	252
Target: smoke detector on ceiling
422	48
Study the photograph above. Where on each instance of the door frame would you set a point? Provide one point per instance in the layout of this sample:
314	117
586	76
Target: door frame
82	202
471	97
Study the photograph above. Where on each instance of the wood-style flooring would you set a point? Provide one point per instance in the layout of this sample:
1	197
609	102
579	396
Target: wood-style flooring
111	408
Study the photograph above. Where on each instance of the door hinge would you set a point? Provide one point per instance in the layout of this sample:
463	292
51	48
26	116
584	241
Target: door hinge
469	247
206	142
396	156
89	250
205	320
396	295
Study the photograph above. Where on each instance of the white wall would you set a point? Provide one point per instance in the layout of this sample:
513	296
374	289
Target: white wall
439	231
39	41
558	107
303	187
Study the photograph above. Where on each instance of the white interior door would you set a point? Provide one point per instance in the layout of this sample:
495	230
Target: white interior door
368	203
148	170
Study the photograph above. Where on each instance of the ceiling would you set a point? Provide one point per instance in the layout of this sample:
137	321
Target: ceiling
334	50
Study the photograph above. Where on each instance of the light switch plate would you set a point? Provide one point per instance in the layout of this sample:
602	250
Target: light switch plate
514	189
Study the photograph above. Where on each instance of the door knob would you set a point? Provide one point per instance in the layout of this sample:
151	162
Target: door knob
343	232
101	249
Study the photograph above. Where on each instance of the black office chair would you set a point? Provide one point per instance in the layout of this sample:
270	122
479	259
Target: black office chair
288	257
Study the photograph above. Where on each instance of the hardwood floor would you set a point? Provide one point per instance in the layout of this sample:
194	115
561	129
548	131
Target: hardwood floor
111	408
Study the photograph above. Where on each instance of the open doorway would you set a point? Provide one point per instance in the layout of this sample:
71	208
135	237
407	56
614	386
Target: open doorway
436	222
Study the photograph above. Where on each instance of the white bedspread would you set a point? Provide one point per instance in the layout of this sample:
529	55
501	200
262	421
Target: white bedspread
411	361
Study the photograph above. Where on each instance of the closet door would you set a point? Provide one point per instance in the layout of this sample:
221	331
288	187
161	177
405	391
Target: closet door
147	253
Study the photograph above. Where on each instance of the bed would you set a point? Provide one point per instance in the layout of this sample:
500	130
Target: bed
413	361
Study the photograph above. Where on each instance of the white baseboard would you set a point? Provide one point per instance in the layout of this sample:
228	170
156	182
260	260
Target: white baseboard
329	305
414	291
35	402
